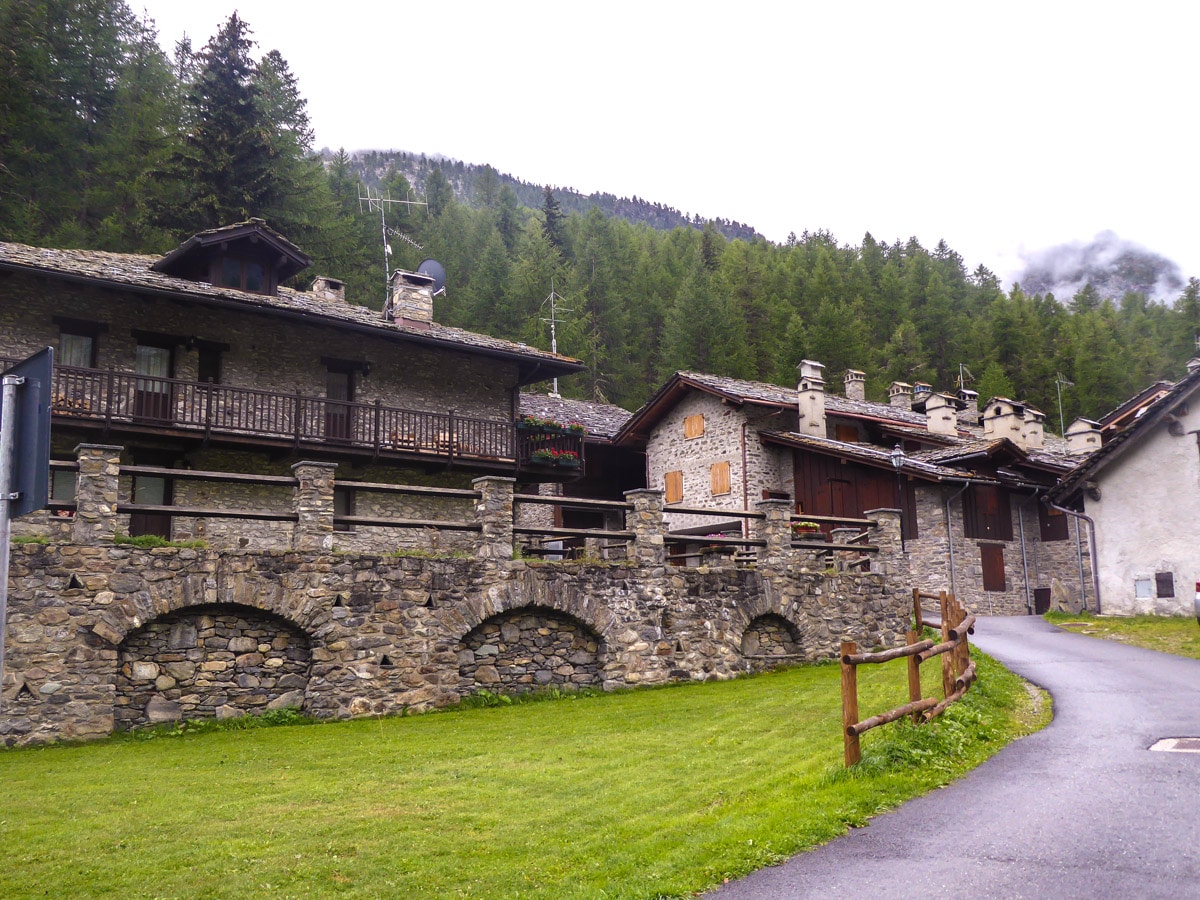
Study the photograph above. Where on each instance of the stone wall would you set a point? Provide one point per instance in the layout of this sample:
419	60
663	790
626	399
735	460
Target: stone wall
1028	564
96	633
283	357
721	442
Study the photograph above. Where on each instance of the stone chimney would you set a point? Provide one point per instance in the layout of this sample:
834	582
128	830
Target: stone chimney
941	414
412	298
811	397
920	393
970	410
856	385
329	289
1035	429
900	395
1083	437
1002	418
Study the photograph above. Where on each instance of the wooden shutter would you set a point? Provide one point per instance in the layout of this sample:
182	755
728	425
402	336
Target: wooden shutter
1164	584
720	478
1052	524
992	557
846	433
674	486
987	513
693	426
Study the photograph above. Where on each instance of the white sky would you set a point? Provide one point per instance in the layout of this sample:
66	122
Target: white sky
1000	127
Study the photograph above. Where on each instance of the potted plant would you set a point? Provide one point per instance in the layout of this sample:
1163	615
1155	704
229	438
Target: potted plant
803	528
576	428
567	459
542	457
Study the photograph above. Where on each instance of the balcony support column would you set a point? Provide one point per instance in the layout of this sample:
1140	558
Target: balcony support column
645	520
312	501
494	510
96	493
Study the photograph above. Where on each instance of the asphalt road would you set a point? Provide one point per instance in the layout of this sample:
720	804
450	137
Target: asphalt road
1081	809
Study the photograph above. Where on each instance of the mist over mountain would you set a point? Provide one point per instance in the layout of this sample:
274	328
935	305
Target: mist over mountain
372	167
1112	265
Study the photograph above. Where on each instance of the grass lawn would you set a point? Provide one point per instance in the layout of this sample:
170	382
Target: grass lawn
1177	635
651	793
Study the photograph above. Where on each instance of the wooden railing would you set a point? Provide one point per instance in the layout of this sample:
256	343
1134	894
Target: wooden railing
958	671
110	397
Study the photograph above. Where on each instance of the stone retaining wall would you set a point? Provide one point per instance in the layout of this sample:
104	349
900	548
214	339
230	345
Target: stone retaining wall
91	627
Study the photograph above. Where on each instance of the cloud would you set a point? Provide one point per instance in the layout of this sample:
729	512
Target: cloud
1112	265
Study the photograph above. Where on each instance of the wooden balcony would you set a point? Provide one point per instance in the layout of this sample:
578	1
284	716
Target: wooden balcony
112	401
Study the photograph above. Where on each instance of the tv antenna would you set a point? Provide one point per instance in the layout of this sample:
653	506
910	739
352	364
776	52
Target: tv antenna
1059	383
553	321
964	376
381	203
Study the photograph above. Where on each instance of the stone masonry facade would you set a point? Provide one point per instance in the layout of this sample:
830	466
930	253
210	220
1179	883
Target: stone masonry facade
104	636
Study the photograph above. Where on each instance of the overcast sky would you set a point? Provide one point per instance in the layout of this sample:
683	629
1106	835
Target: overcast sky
1002	127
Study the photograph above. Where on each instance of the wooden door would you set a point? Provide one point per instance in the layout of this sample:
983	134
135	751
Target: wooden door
339	412
152	398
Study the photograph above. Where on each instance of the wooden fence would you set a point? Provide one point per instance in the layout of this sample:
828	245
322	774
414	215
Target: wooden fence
958	670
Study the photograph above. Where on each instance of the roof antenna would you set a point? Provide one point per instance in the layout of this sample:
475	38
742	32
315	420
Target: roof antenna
1060	382
380	202
964	376
553	321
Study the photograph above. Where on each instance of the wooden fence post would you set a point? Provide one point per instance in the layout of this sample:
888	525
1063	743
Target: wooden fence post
947	660
853	752
914	673
917	615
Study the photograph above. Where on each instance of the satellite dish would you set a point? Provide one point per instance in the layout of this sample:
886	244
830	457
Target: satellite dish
431	268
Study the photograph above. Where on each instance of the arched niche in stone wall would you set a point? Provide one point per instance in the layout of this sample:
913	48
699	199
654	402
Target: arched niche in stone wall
530	648
219	660
770	640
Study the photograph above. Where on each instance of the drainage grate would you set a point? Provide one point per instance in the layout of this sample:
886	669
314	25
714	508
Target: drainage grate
1178	745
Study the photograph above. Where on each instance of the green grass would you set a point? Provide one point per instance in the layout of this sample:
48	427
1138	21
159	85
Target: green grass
1177	635
651	793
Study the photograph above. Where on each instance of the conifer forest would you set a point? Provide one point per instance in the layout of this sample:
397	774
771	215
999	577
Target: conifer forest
108	143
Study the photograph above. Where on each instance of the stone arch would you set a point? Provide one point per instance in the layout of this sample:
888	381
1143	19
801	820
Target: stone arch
205	661
133	602
528	648
769	640
546	589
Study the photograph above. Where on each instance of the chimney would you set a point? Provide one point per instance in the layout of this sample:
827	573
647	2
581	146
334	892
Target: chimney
1035	429
970	410
900	395
1083	437
856	385
1002	418
920	393
412	298
941	414
811	396
329	289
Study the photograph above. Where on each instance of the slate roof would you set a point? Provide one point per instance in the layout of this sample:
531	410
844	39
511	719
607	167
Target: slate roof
871	454
1155	413
135	273
602	420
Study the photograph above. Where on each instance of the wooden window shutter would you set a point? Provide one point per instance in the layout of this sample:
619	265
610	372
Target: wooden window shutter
674	486
1164	584
847	434
693	426
1052	524
992	558
720	478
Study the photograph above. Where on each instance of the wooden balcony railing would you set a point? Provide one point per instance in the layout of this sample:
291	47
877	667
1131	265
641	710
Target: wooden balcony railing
108	398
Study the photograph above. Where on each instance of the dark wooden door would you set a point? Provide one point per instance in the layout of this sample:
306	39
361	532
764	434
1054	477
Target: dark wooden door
339	411
152	390
152	491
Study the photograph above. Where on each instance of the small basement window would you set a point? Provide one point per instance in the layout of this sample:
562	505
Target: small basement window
1164	584
1141	588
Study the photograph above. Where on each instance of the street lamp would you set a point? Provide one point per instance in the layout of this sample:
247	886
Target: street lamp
897	462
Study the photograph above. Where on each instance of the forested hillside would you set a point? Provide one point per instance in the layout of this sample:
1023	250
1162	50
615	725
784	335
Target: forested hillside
109	143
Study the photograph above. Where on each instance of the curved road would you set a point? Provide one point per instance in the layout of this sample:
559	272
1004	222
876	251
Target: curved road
1081	809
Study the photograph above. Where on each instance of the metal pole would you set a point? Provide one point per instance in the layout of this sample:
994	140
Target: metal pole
8	412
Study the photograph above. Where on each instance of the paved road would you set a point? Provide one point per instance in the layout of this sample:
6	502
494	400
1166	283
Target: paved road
1080	809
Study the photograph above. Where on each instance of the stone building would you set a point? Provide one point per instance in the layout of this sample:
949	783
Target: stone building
1142	492
969	483
202	361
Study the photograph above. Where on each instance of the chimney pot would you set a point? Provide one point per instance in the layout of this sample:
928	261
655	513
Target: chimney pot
1083	437
329	289
811	399
900	395
412	298
856	385
941	415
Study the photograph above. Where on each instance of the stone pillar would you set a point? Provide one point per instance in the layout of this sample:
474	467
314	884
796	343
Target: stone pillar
494	510
312	501
96	493
891	558
775	529
645	520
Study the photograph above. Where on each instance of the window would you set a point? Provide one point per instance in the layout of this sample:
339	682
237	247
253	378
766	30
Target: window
1141	588
343	505
62	487
1053	524
673	481
693	426
992	558
719	473
847	434
986	513
77	342
243	274
1164	584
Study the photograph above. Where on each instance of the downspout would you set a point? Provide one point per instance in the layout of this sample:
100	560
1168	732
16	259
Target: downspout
1079	549
950	536
1024	559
